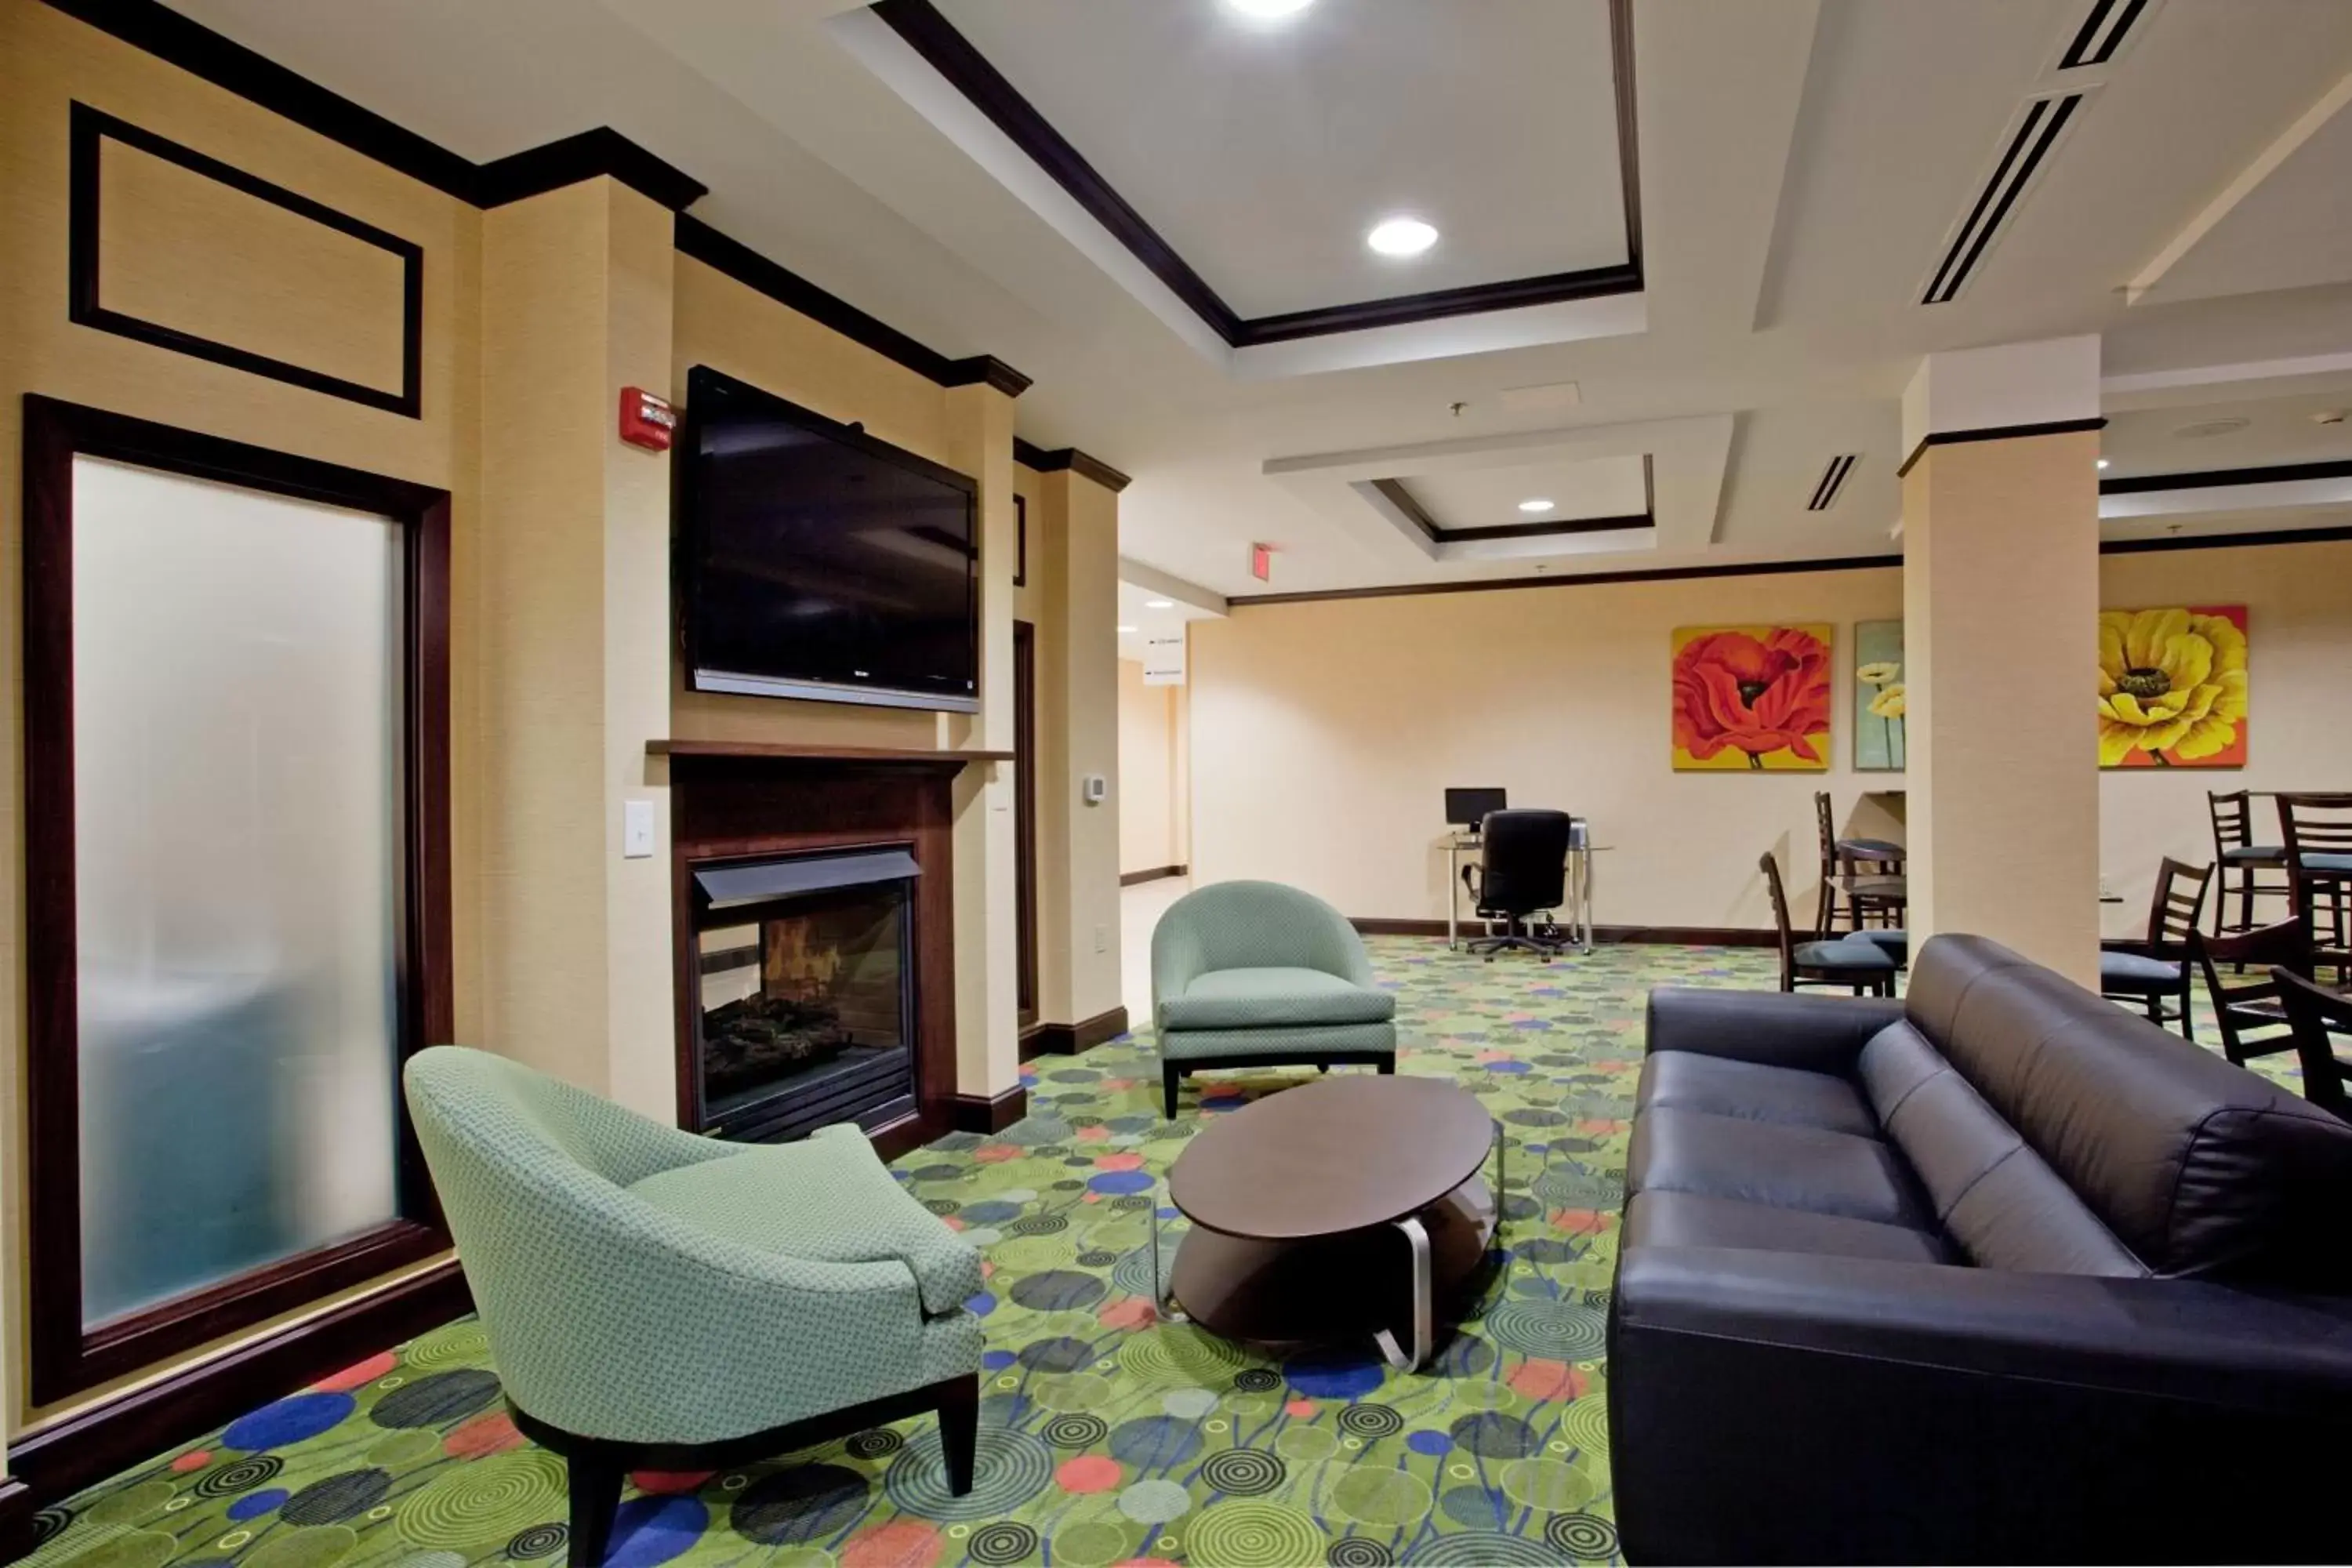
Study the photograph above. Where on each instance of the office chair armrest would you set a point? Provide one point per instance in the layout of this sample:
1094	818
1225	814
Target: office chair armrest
1471	879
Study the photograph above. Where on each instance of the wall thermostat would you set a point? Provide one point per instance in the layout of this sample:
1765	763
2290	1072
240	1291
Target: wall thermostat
1093	788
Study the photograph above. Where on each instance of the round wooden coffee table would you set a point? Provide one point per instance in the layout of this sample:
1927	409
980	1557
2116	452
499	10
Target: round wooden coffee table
1335	1208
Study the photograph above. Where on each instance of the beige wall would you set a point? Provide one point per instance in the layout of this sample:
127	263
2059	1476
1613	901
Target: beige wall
1149	783
47	61
1323	734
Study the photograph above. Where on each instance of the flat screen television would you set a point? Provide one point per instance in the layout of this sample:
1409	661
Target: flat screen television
817	562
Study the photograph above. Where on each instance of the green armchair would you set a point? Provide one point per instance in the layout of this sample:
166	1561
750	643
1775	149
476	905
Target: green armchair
1258	974
654	1299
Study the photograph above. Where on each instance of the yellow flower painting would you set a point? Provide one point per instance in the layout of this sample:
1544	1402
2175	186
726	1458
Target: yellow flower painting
2172	687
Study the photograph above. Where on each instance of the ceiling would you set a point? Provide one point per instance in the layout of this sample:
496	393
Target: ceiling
1802	165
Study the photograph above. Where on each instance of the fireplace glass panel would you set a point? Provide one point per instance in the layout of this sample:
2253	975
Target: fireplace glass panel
806	1015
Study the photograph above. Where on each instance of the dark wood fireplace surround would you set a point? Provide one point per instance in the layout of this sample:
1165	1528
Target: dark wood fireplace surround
746	801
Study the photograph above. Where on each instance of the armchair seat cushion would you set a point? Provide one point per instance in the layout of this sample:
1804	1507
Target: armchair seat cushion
828	1198
1305	1042
1757	1091
1845	952
1272	997
2138	973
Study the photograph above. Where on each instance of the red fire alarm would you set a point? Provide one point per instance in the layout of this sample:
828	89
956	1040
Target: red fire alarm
645	420
1262	563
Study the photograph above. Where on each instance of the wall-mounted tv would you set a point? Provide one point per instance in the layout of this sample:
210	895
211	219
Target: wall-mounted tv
817	562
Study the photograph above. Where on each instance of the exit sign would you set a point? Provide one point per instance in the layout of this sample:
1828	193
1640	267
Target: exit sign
1262	563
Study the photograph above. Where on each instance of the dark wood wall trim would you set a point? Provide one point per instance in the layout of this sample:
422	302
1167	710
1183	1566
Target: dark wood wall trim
107	1438
92	129
164	33
1150	874
931	35
1995	433
2211	478
67	1357
603	151
2226	541
988	1113
1069	1039
794	292
1039	460
1668	936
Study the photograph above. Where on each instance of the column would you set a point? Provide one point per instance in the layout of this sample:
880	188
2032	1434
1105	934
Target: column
573	602
2001	600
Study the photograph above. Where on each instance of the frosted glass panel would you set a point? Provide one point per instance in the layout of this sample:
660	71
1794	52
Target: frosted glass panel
238	856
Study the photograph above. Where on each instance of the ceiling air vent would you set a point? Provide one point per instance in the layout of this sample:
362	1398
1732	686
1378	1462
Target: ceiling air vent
2103	32
1832	483
2025	153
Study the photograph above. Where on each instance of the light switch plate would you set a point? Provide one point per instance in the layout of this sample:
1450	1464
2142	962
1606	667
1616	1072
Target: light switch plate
637	829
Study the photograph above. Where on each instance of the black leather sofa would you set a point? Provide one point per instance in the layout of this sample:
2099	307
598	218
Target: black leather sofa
1997	1273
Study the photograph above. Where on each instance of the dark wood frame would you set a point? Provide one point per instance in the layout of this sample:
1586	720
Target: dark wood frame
92	129
728	803
966	69
67	1357
1396	493
1069	1039
1024	822
1039	460
597	1466
1020	542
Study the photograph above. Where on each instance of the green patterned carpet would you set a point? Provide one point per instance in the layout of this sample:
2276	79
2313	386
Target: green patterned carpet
1105	1437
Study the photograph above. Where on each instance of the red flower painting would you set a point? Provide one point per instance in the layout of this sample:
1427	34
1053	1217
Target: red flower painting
1752	696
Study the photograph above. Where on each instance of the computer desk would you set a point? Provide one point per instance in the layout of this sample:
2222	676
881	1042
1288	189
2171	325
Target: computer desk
1576	886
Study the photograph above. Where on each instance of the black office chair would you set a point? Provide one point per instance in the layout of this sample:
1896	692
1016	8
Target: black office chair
1521	871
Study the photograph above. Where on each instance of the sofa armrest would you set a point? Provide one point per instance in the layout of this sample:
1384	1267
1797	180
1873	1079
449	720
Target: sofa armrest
1818	1034
1786	1407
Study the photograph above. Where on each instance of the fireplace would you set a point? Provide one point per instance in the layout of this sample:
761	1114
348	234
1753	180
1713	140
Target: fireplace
806	1005
813	929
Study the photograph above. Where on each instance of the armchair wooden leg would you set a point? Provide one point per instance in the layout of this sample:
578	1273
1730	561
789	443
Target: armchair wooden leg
595	1479
1387	1067
959	1429
1170	1076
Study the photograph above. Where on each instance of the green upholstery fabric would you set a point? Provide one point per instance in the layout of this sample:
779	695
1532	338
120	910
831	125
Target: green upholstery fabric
632	1287
1303	1043
1258	998
1258	969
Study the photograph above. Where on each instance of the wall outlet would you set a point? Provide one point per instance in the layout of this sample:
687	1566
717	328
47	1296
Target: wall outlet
1093	789
1102	939
637	829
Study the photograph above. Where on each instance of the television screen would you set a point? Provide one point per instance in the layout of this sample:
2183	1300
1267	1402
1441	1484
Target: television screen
817	562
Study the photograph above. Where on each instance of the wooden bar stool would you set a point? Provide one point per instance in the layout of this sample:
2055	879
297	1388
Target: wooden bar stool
1850	964
1866	873
2237	855
2318	833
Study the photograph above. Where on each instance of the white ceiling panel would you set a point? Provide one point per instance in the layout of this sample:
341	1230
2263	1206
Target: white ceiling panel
1490	498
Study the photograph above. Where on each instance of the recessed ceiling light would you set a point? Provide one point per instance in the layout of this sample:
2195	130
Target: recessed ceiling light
1401	236
1158	604
1536	503
1269	10
1125	629
2102	462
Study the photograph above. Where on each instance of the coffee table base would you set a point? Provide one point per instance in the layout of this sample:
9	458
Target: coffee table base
1367	1283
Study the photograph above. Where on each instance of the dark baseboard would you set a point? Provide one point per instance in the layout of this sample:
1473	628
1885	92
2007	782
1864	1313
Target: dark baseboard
56	1462
1151	874
15	1519
991	1113
1666	936
1069	1039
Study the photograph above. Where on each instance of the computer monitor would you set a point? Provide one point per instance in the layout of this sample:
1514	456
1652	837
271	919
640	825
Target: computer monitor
1468	807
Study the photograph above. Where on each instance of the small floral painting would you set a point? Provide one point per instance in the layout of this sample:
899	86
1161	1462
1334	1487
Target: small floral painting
1878	701
1754	697
2172	687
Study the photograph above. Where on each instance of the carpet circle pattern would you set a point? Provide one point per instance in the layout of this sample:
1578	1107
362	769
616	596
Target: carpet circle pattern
1105	1435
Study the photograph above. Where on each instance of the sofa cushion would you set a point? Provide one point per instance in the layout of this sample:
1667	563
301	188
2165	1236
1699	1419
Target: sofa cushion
2199	1168
1686	1081
1691	1219
1771	1163
1263	998
1991	1194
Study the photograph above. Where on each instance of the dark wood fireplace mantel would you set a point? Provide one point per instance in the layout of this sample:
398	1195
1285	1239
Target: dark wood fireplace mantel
769	751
